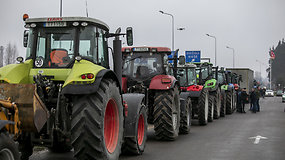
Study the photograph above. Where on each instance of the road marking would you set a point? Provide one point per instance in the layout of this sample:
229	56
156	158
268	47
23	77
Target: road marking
257	139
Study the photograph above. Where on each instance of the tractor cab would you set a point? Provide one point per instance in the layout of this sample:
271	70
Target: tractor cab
204	72
186	75
141	64
55	42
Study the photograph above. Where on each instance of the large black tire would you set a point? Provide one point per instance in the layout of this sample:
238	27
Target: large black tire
167	114
223	105
211	108
97	123
185	122
229	103
217	105
136	145
203	107
8	147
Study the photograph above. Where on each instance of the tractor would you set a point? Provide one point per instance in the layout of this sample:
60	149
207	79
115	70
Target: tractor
186	75
147	70
64	94
210	88
220	76
230	92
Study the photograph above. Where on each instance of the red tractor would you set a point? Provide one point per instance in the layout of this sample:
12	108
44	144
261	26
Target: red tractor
147	70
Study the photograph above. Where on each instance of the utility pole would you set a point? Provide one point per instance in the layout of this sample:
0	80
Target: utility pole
270	73
1	55
60	14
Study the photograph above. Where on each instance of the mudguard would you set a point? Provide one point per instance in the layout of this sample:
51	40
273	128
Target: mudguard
134	101
3	123
157	84
78	89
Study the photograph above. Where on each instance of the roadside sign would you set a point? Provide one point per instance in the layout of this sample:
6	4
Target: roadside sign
193	56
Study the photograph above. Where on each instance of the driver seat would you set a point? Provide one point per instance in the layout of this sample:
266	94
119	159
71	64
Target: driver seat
57	55
142	71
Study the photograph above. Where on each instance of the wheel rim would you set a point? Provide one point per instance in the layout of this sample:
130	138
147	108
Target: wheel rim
6	154
141	130
111	126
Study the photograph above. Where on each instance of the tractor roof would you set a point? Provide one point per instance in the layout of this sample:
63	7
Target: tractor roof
67	19
147	49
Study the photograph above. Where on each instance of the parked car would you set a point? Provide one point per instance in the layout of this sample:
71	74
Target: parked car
269	93
279	93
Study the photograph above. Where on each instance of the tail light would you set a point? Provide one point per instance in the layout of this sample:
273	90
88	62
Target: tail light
197	87
88	76
166	80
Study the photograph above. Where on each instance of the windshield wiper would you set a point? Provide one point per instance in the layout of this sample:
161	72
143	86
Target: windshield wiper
127	61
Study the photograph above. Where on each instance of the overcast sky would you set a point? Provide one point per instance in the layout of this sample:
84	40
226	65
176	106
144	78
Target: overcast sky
251	27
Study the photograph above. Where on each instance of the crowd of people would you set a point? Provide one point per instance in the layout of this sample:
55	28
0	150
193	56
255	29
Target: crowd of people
253	98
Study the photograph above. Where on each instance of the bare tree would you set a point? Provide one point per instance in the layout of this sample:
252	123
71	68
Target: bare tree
11	53
1	55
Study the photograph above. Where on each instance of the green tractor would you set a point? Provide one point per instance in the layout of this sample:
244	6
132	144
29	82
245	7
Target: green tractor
230	91
207	79
64	94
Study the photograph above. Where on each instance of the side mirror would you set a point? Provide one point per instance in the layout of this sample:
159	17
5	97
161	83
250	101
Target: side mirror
181	60
25	39
129	32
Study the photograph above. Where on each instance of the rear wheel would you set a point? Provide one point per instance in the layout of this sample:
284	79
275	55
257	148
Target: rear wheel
8	148
136	145
229	103
217	105
223	105
167	114
211	109
97	123
185	123
203	107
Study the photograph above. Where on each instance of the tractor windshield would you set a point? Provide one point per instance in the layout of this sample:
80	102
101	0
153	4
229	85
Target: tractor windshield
142	66
221	78
55	47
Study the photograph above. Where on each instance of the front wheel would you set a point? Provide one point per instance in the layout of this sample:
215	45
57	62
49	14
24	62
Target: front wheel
135	145
167	114
229	103
211	109
217	105
8	148
97	123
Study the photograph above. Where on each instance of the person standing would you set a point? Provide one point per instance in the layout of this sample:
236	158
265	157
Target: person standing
253	100
243	98
257	90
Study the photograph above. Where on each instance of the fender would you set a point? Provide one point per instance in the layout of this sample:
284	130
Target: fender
77	89
162	82
134	101
3	123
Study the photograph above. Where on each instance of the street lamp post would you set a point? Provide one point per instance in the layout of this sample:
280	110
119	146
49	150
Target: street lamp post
215	47
172	27
233	55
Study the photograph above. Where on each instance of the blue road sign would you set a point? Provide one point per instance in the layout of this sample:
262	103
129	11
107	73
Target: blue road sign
193	56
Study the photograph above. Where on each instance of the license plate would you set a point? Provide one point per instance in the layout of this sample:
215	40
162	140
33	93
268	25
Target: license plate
55	24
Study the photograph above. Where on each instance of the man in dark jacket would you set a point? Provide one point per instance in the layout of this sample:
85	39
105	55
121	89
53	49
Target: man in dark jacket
253	100
243	98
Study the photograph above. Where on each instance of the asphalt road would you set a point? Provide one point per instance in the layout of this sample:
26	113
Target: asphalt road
236	137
